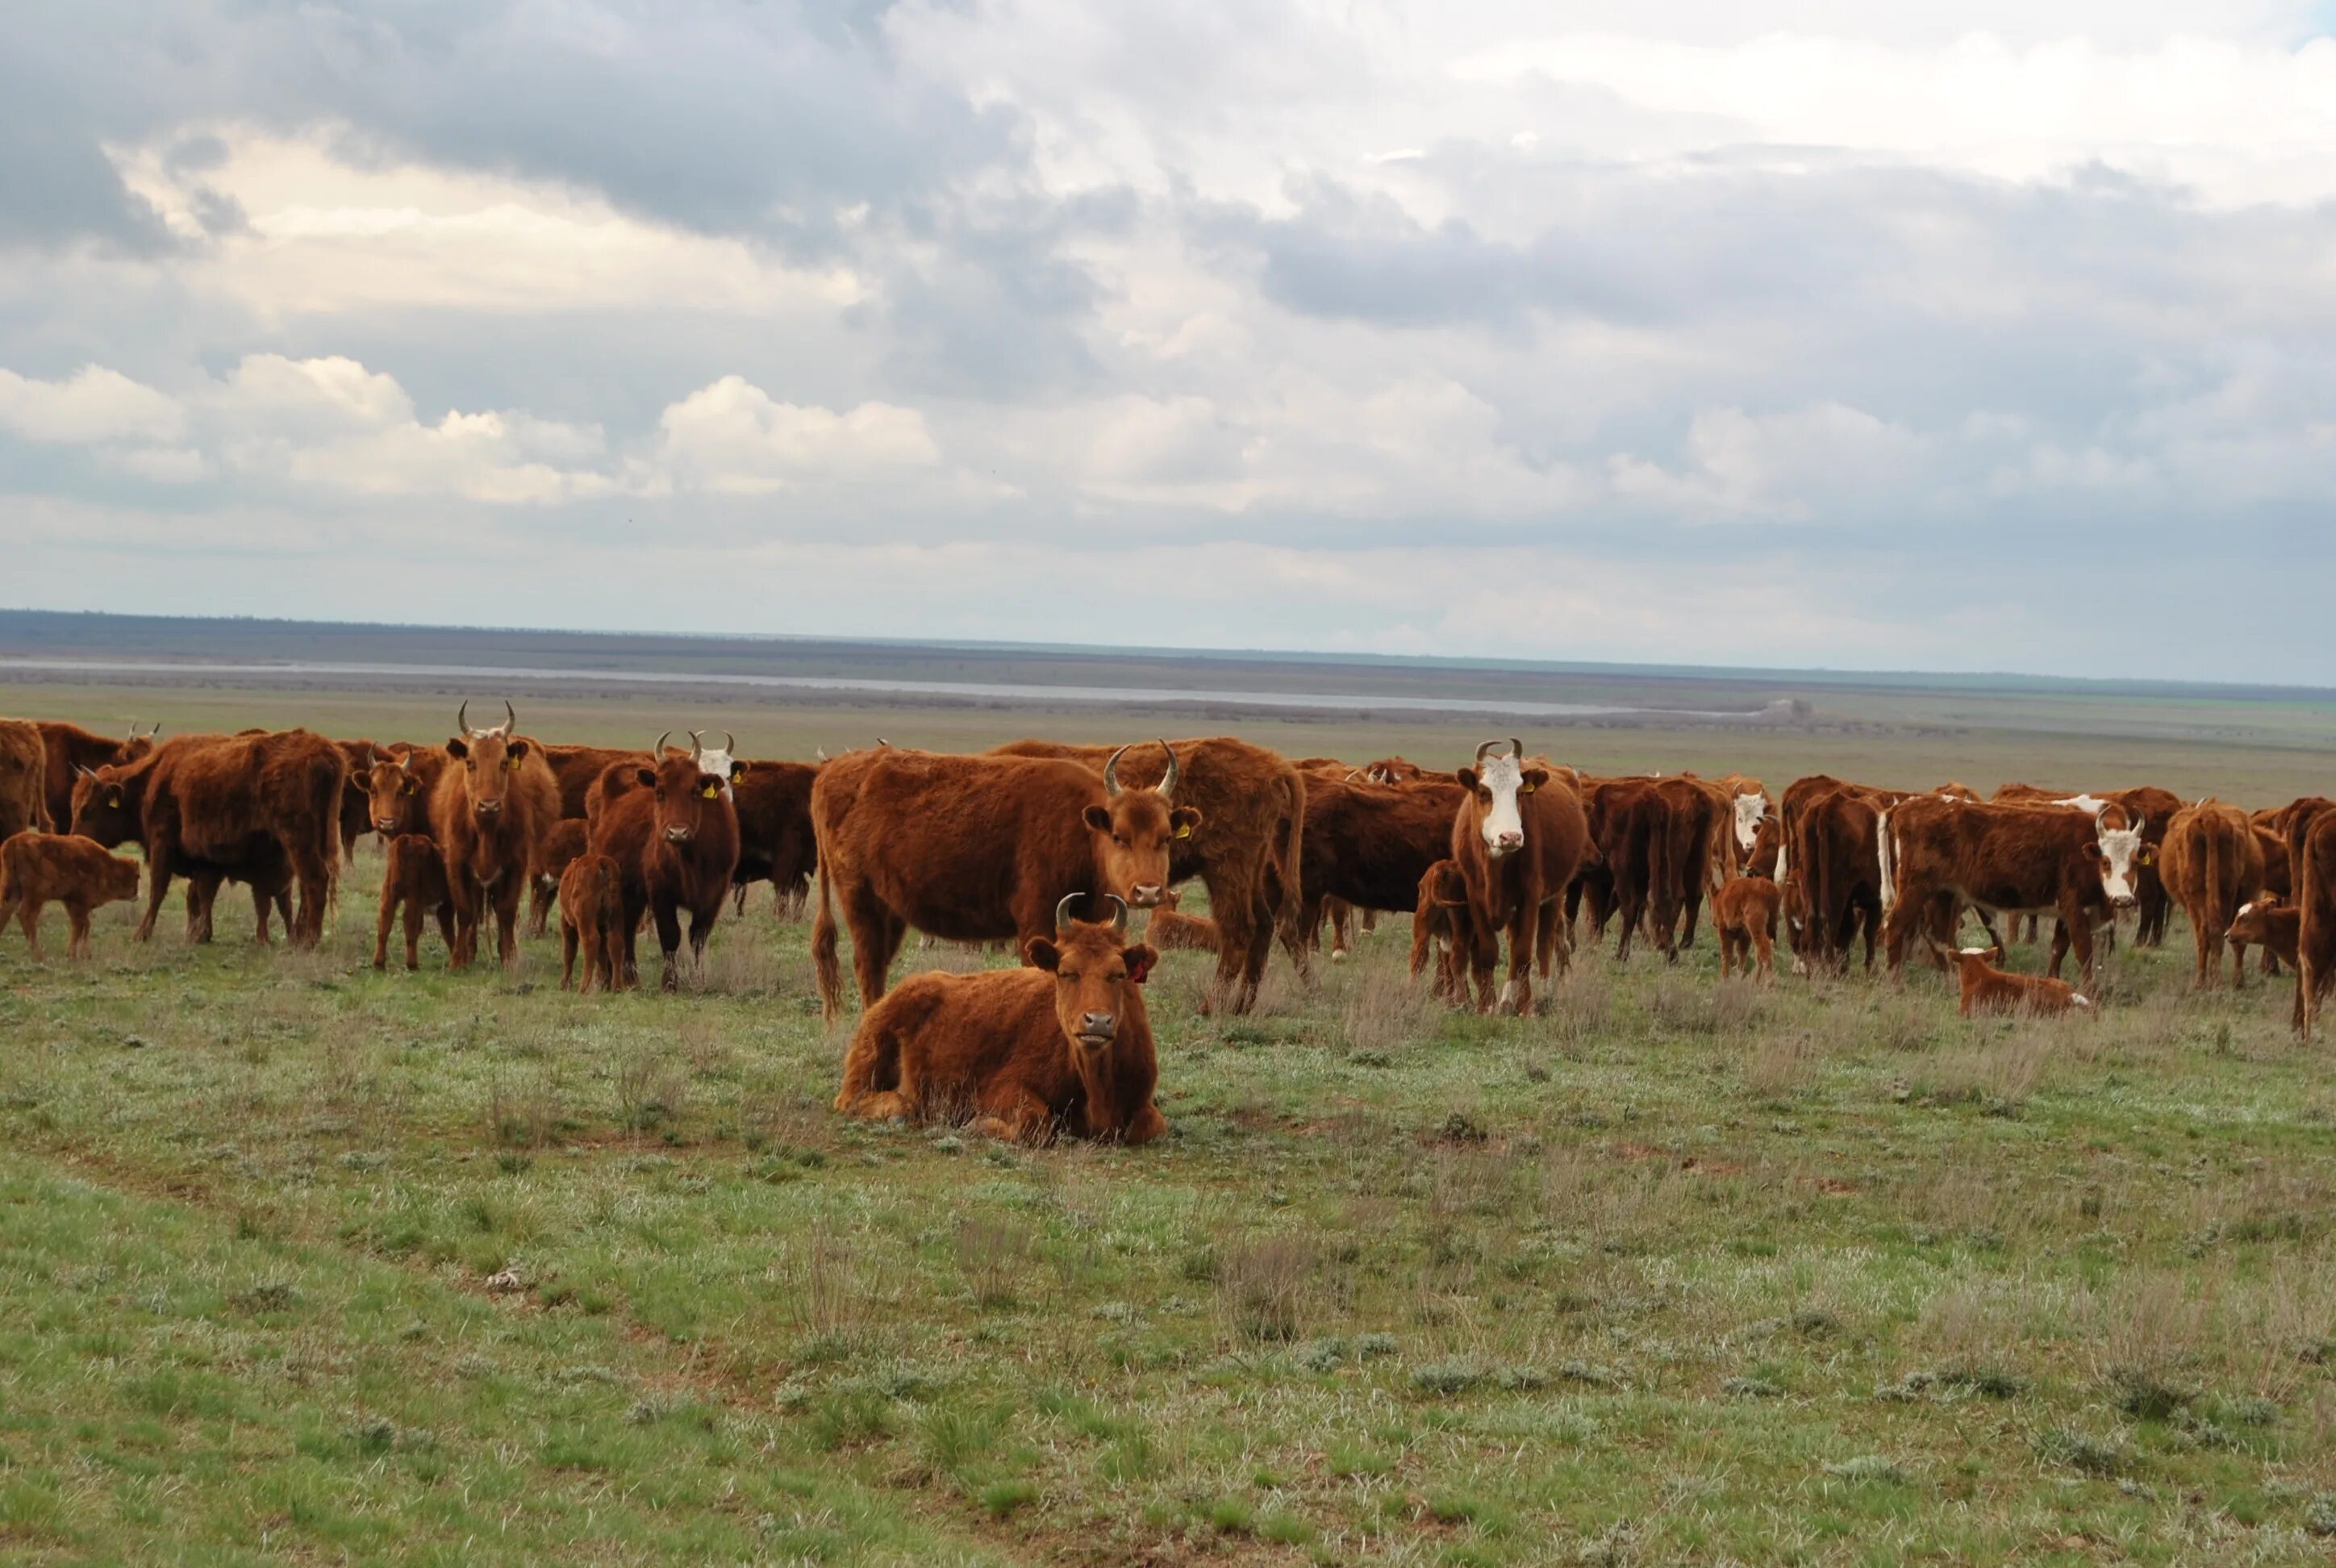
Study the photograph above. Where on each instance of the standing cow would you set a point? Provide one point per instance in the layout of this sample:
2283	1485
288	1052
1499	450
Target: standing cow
2211	865
1938	853
1519	836
675	840
24	773
492	805
71	751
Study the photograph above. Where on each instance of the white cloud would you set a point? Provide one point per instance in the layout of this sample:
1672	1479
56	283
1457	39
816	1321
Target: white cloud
732	438
92	405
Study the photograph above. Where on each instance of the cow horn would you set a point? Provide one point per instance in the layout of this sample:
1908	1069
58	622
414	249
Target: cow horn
510	718
1486	746
1516	748
1062	912
1118	913
82	771
463	718
819	752
405	762
729	744
657	751
1167	779
1111	772
697	745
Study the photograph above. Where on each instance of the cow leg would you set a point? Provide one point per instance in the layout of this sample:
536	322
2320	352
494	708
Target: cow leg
388	913
2209	961
872	955
2238	965
667	915
701	931
1550	942
567	955
1523	935
412	928
540	893
77	927
633	909
28	920
508	893
462	894
261	902
738	897
314	872
1764	948
1015	1113
1342	915
444	913
158	849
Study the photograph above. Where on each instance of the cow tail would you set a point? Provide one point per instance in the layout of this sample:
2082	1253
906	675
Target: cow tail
1285	857
2216	915
7	894
825	962
1888	855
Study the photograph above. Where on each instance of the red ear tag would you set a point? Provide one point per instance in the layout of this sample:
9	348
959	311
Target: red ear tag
1137	972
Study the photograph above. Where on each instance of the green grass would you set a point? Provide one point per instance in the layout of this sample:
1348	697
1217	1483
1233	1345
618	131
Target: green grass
1673	1273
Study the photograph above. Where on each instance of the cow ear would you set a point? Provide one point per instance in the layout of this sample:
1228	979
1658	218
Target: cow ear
1184	818
646	778
1097	818
1139	961
458	748
1534	778
516	750
1467	777
1040	953
737	771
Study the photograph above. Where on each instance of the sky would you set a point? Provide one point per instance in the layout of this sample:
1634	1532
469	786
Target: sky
1987	336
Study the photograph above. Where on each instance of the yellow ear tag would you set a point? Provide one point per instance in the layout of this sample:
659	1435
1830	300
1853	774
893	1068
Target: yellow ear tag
711	792
114	799
1183	832
511	764
1530	788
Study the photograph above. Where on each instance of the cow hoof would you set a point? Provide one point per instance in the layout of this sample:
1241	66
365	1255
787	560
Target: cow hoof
1337	955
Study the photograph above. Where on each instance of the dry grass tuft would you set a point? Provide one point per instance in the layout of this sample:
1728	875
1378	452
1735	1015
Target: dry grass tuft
1264	1286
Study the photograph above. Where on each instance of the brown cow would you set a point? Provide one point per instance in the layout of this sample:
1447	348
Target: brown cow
2278	878
1394	770
555	852
489	815
73	751
575	768
23	776
398	789
976	849
38	869
1366	845
2152	807
1062	1044
2211	865
413	880
2294	823
674	839
2315	931
1656	841
592	918
1986	989
1172	930
1744	910
1835	853
776	842
253	807
356	794
2275	926
1520	836
1438	920
1246	850
1938	853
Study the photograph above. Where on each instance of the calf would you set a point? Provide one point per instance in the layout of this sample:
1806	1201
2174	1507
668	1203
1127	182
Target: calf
2267	922
1744	911
38	869
675	840
1989	989
412	878
1937	853
555	852
591	915
1172	930
1064	1045
1439	920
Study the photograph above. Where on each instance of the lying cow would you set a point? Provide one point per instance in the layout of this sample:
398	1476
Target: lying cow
1745	910
1064	1044
1171	929
1989	989
592	918
40	869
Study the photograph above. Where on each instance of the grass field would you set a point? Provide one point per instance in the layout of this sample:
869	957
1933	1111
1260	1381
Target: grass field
298	1261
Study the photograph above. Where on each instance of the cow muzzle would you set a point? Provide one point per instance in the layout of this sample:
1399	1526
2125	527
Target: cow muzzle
676	835
1501	844
488	808
1146	895
384	824
1095	1030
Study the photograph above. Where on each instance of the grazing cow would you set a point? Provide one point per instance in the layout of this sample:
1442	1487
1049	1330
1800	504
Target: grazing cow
489	815
2211	865
575	768
1366	845
73	750
1172	930
1246	850
674	839
2293	824
776	842
1836	852
356	794
2275	926
2315	931
258	808
1985	988
1439	929
1656	841
1063	1044
555	852
23	778
1744	911
977	849
1938	853
412	879
1520	836
592	918
38	869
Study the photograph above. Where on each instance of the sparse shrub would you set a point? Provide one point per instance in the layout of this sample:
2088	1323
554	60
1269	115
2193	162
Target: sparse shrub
1869	1468
2081	1451
1446	1376
1264	1287
995	1258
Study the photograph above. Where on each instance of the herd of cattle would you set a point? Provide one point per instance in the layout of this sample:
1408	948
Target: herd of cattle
1018	843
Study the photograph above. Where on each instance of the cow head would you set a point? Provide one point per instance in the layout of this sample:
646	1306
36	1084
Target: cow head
718	760
1097	970
489	758
1751	810
2120	849
1134	830
2253	924
686	791
102	807
397	794
139	743
1496	783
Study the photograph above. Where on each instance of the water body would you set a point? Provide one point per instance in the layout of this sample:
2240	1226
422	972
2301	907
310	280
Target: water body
487	677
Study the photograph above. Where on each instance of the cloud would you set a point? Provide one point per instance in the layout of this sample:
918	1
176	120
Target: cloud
731	438
92	405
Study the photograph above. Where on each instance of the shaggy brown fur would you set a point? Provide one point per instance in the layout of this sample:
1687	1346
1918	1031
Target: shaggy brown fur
23	774
1517	891
1172	930
412	879
1247	850
2315	932
1744	912
1439	928
251	807
1986	989
38	869
489	812
2211	865
1939	855
72	750
1366	845
591	917
575	767
776	842
674	839
561	844
1062	1044
976	849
